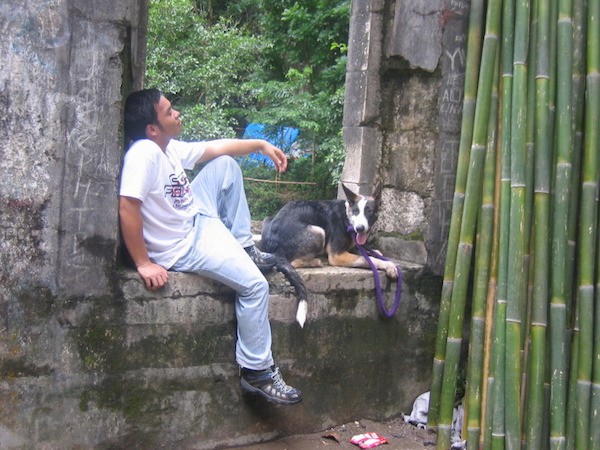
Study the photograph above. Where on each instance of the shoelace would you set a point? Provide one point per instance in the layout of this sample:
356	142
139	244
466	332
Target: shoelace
278	381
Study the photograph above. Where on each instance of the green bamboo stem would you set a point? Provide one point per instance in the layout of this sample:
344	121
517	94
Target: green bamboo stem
498	436
528	231
471	80
498	362
475	370
536	374
578	89
488	372
488	369
590	183
468	222
530	137
588	227
516	269
595	402
572	394
579	69
561	203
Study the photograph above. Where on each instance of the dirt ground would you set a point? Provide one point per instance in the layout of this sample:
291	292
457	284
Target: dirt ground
400	436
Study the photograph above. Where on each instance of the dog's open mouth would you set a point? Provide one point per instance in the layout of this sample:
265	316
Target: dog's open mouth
361	238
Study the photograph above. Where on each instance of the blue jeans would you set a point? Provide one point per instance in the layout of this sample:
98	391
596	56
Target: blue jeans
221	231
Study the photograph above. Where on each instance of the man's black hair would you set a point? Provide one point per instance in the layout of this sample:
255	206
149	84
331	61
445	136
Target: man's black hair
140	112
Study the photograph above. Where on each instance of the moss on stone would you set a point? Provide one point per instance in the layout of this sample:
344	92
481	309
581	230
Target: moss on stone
18	367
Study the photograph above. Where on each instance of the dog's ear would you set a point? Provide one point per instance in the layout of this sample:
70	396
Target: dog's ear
377	188
351	196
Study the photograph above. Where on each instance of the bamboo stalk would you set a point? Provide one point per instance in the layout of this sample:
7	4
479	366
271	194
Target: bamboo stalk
488	368
497	383
579	69
529	221
476	18
590	184
536	373
595	402
488	374
588	226
516	269
561	203
467	230
530	137
572	394
483	263
498	435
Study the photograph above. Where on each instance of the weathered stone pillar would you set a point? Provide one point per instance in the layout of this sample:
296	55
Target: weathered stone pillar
402	117
61	83
362	103
65	66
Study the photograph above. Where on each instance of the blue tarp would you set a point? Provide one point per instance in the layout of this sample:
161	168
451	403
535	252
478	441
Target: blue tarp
282	137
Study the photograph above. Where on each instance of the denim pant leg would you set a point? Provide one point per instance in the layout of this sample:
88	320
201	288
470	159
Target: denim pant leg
219	192
216	254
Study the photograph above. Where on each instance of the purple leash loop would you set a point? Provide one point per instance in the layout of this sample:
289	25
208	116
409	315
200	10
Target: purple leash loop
367	253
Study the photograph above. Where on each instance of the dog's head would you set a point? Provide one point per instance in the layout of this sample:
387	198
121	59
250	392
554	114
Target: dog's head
362	212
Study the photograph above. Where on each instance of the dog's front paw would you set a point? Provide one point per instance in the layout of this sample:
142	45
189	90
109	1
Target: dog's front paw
390	269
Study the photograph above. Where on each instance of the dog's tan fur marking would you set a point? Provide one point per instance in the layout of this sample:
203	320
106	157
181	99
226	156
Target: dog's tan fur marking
347	259
299	263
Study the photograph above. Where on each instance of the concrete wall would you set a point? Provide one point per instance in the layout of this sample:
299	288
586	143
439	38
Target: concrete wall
402	112
65	66
142	370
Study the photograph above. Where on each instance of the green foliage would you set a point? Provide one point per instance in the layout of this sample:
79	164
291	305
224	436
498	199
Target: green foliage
201	123
279	62
197	64
265	198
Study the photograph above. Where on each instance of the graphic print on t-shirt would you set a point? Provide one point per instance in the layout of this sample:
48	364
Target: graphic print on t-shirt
179	192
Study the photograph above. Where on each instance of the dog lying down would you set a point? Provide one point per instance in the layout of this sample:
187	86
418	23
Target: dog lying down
304	230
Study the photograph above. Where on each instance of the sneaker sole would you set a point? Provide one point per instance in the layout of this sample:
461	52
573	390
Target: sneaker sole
254	390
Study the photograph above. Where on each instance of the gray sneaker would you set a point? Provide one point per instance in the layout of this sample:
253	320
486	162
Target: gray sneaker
269	384
264	261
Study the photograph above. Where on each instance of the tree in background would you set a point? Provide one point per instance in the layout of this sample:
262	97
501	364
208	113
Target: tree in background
278	62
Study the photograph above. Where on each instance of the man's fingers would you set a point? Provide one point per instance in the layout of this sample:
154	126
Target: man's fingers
156	281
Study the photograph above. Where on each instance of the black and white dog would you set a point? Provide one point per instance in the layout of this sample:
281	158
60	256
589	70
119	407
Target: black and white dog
304	230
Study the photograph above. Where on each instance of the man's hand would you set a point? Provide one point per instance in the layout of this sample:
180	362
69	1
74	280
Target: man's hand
277	156
154	276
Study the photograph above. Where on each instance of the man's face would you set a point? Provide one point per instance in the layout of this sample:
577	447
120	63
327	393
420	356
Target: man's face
169	124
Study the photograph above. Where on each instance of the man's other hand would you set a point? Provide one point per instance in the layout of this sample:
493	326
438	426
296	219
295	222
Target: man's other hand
154	276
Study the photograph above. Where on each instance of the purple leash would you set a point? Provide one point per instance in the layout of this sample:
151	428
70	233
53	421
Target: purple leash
366	252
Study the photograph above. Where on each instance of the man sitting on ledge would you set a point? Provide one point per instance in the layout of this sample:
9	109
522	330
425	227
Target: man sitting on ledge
202	227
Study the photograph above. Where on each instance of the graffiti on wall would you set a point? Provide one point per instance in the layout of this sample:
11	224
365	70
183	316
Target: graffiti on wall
454	43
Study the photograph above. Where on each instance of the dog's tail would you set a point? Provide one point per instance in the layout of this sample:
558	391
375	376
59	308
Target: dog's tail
284	266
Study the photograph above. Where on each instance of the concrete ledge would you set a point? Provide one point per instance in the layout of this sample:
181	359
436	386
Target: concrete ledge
349	361
139	369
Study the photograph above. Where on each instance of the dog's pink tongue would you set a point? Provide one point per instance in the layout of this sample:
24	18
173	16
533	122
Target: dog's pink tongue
361	238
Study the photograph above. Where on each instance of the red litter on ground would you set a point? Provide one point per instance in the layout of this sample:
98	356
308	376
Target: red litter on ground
368	440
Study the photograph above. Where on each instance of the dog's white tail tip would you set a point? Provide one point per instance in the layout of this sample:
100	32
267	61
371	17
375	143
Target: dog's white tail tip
301	312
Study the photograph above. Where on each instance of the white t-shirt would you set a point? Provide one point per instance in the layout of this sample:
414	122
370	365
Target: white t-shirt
159	181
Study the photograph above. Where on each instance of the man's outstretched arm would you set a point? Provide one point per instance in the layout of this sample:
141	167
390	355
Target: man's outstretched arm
242	147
